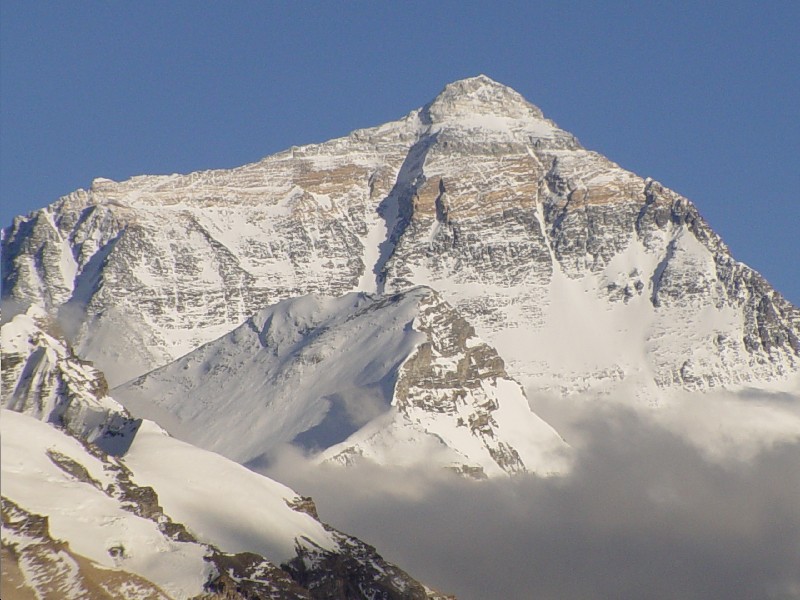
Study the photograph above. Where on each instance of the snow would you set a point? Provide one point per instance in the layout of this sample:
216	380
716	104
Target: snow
88	519
393	439
263	369
524	430
221	502
496	126
379	229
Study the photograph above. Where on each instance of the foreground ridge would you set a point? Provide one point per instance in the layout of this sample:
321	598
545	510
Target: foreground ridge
78	523
97	504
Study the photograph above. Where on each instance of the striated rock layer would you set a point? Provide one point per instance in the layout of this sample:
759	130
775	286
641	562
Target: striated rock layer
580	273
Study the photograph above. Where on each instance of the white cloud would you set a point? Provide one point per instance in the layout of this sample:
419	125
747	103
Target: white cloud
648	512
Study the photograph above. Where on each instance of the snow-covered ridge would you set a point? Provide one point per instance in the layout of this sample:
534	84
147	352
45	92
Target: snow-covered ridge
399	379
160	521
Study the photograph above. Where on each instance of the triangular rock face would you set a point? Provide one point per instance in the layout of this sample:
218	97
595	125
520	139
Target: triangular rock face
399	379
581	274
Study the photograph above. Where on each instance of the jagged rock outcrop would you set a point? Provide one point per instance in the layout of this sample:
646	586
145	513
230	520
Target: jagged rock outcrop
476	195
43	377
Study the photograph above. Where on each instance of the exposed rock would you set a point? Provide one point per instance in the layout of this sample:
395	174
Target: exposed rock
35	565
304	504
355	572
42	377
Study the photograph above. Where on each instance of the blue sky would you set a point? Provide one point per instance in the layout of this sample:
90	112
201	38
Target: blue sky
703	98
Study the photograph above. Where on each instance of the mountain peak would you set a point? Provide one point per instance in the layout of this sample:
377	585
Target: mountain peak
480	96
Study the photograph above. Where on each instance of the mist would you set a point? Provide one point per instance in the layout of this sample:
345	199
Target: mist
649	510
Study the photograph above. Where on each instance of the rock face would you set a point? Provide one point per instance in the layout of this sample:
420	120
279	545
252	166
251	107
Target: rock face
476	195
42	377
37	566
398	378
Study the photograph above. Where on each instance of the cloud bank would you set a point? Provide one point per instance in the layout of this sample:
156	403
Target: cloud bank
647	512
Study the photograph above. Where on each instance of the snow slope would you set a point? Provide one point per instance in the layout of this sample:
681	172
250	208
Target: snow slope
169	519
92	521
399	379
194	487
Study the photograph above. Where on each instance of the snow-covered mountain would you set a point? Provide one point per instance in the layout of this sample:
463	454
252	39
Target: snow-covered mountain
96	504
401	379
582	275
390	295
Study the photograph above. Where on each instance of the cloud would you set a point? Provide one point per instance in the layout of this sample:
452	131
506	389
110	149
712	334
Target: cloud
646	513
725	426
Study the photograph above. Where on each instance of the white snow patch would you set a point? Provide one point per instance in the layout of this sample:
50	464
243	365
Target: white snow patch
87	518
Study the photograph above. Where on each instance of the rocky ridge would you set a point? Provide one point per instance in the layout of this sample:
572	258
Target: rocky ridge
77	524
90	498
42	377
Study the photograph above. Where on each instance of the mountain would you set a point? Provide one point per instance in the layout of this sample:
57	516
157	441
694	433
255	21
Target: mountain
581	274
399	378
395	295
96	504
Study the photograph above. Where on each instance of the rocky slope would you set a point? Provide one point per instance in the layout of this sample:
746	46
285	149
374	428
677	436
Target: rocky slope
400	379
581	274
36	566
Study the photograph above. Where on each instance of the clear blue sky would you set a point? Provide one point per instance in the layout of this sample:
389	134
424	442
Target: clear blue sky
701	96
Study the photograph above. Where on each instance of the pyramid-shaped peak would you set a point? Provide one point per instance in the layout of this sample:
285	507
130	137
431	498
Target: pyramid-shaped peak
480	95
